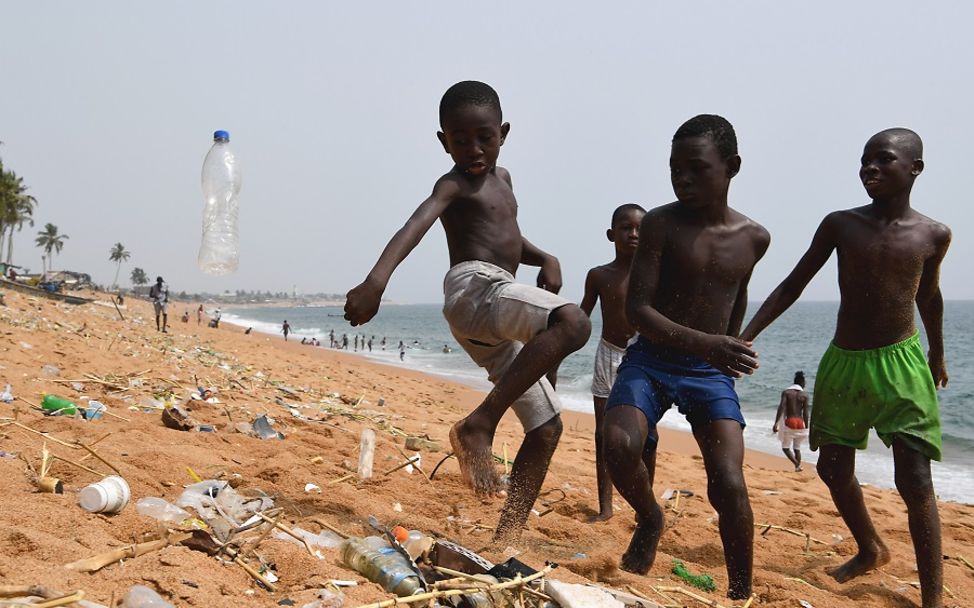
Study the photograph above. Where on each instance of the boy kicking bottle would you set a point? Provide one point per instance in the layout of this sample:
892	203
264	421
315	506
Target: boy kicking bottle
516	332
874	373
607	284
687	296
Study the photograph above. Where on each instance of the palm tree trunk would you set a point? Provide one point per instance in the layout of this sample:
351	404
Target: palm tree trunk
10	245
117	268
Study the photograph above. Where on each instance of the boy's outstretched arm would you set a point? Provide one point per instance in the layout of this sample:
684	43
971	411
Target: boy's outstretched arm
727	354
785	294
549	277
362	302
591	294
930	303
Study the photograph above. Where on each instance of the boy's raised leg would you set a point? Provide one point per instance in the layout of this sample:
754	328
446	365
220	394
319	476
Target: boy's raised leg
837	468
527	475
471	438
915	485
603	481
722	446
631	462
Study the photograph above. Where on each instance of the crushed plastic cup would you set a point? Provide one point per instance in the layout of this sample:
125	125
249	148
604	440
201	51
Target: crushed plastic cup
94	410
7	395
110	495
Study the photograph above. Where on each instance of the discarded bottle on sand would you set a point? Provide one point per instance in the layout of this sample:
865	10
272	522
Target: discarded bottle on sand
141	596
377	561
220	250
58	406
162	510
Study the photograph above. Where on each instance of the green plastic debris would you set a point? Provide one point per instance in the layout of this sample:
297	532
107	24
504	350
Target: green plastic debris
700	581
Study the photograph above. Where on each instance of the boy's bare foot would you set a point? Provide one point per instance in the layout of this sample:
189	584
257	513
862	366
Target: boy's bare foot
472	447
798	469
864	561
641	554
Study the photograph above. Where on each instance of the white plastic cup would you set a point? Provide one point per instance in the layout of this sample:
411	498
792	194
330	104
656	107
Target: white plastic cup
110	495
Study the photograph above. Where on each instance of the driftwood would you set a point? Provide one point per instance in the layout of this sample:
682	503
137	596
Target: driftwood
97	562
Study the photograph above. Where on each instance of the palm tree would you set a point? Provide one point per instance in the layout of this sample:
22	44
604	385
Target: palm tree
16	208
118	255
139	277
51	241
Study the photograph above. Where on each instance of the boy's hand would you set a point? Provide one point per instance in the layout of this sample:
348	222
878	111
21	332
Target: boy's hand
549	277
362	302
731	356
938	369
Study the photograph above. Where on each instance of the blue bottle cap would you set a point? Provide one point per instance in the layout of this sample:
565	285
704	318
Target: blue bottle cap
221	135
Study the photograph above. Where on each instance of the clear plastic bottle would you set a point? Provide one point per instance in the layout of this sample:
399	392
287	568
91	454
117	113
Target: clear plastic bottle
377	561
220	250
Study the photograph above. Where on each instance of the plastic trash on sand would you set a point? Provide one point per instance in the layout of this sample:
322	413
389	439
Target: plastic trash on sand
215	500
327	599
7	396
162	510
325	540
570	595
141	596
264	430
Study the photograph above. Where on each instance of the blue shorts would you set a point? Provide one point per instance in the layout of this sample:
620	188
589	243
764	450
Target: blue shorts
652	379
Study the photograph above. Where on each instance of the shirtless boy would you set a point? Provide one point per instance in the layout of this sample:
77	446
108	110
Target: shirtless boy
516	332
791	420
874	374
607	284
687	297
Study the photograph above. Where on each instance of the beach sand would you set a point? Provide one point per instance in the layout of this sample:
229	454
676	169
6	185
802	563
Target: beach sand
39	533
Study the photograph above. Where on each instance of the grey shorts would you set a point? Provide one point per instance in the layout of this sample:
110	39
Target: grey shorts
607	359
492	317
160	307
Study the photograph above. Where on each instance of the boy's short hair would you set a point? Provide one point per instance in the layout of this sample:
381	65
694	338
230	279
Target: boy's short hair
469	92
624	209
718	128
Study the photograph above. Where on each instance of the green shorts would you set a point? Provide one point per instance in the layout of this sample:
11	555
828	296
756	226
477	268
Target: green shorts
888	388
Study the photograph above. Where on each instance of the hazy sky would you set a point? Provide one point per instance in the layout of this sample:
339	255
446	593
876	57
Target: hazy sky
107	110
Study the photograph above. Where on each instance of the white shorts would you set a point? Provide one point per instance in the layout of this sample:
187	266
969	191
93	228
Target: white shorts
492	317
791	438
608	356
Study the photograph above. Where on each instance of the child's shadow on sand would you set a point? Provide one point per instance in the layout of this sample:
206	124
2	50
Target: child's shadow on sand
891	597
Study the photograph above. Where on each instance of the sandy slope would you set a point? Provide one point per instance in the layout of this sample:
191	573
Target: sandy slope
39	533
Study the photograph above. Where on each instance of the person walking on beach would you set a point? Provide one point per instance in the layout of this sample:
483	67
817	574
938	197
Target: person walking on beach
516	332
199	315
874	373
607	284
345	341
383	342
159	294
791	420
687	297
402	351
286	329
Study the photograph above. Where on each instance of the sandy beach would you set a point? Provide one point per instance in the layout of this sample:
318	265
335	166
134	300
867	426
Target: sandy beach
123	364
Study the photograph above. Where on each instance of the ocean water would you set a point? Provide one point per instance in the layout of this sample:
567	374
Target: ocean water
794	342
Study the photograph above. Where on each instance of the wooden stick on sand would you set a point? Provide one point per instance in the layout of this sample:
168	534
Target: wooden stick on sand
97	562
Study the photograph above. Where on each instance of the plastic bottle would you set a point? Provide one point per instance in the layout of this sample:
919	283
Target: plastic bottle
141	596
57	406
380	563
219	250
160	509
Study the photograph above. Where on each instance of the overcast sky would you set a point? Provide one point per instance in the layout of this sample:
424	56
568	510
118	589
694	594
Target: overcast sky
107	110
